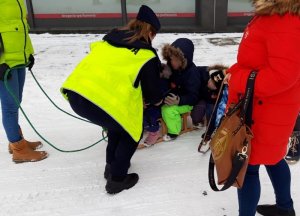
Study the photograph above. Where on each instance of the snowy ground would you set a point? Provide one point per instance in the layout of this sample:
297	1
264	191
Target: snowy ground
173	175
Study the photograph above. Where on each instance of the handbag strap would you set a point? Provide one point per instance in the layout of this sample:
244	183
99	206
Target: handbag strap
237	164
239	159
246	111
211	117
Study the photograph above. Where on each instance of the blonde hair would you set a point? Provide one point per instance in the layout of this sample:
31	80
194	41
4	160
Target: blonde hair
141	29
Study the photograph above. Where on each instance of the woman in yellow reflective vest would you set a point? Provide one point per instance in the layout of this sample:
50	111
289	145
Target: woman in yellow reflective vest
108	87
15	50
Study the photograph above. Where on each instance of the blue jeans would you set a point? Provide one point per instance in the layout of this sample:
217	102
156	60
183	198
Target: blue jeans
10	110
249	194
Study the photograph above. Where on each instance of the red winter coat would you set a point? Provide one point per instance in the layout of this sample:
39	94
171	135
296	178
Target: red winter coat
271	45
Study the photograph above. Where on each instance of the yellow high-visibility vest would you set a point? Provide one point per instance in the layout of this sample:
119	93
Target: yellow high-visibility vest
106	77
14	38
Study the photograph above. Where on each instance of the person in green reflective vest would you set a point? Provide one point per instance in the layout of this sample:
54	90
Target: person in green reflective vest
16	52
108	87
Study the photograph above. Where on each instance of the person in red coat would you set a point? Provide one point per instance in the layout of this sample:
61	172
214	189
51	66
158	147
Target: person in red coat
270	45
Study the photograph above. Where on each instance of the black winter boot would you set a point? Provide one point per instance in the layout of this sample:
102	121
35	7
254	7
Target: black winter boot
107	170
273	210
293	154
113	187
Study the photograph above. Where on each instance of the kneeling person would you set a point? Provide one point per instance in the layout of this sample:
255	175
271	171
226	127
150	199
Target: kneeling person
184	85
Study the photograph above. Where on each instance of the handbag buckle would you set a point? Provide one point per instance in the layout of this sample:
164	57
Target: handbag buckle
244	152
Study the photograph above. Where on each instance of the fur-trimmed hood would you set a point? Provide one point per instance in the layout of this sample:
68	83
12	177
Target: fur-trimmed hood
181	48
281	7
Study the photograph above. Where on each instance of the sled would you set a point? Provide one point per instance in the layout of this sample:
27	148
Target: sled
185	128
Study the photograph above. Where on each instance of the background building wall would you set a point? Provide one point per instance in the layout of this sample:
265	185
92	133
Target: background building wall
102	15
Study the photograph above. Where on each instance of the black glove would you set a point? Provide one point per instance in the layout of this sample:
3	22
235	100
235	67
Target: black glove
31	62
3	68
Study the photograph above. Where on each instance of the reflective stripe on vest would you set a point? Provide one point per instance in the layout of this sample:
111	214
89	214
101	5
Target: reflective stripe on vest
106	77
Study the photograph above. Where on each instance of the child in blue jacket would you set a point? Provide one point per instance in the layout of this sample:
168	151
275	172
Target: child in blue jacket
185	83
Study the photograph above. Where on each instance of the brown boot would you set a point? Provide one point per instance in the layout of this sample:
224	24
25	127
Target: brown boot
33	145
23	153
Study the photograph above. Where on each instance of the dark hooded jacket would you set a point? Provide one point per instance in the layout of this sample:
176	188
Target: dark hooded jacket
185	82
148	76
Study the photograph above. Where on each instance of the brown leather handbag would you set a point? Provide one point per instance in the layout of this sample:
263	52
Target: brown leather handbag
230	145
